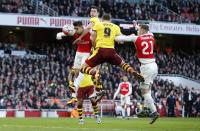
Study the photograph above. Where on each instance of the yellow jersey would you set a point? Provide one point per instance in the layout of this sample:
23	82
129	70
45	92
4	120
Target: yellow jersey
86	81
106	33
94	20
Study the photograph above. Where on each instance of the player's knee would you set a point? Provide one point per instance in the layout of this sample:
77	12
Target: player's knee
77	72
93	101
147	96
98	89
122	64
72	89
80	103
72	71
145	88
83	68
80	106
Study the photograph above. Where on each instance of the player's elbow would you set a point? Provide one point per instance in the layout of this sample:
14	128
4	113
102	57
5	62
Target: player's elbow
89	27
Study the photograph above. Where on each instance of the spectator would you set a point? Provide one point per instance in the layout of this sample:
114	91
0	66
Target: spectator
171	104
26	83
189	98
197	107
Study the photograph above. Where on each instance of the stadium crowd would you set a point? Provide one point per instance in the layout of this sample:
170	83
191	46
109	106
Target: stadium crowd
165	10
40	83
16	6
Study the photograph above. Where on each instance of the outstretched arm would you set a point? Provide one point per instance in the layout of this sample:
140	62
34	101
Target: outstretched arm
60	35
125	38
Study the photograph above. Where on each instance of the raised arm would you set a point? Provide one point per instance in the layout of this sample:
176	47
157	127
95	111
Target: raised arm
93	37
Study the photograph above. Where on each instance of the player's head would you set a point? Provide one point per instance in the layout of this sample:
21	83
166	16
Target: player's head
106	17
125	78
78	26
143	29
94	11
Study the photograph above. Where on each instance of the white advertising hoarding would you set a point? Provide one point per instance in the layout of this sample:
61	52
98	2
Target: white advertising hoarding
58	22
173	28
38	21
170	28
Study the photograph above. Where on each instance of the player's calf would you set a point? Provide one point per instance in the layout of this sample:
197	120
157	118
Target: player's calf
95	107
73	93
72	87
100	95
80	111
127	68
88	70
154	116
149	102
96	111
98	119
99	89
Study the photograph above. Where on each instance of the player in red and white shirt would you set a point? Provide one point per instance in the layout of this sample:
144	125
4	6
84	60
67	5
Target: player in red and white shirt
83	46
144	44
82	53
125	90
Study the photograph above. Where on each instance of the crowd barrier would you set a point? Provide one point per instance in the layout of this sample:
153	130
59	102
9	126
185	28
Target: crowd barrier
106	108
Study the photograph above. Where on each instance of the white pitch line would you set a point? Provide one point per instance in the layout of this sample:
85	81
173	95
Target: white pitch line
61	127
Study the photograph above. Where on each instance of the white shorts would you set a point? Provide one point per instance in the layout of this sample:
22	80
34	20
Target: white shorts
80	59
149	71
125	100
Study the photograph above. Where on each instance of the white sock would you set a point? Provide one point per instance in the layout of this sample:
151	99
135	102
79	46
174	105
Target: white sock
78	80
128	109
149	102
123	112
74	95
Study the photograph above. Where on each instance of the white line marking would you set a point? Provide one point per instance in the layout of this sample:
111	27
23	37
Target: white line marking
62	127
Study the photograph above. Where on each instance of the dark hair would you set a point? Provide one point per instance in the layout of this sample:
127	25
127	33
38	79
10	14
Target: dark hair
106	17
144	26
77	23
94	7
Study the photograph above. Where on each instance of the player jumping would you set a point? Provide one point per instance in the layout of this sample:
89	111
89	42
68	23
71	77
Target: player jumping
103	35
82	53
94	13
144	44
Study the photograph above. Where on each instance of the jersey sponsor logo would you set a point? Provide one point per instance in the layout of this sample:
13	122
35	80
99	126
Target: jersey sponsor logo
124	88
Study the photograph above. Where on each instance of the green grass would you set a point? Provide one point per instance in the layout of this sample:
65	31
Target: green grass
109	124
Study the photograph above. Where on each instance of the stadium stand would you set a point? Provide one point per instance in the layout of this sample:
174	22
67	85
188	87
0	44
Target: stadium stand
16	6
26	83
40	82
165	10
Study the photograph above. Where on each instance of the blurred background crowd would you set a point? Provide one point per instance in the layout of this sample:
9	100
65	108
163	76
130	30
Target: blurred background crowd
40	82
173	10
27	83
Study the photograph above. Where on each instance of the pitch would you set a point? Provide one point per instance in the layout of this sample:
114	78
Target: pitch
109	124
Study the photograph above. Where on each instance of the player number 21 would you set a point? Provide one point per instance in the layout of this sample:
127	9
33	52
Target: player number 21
146	46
